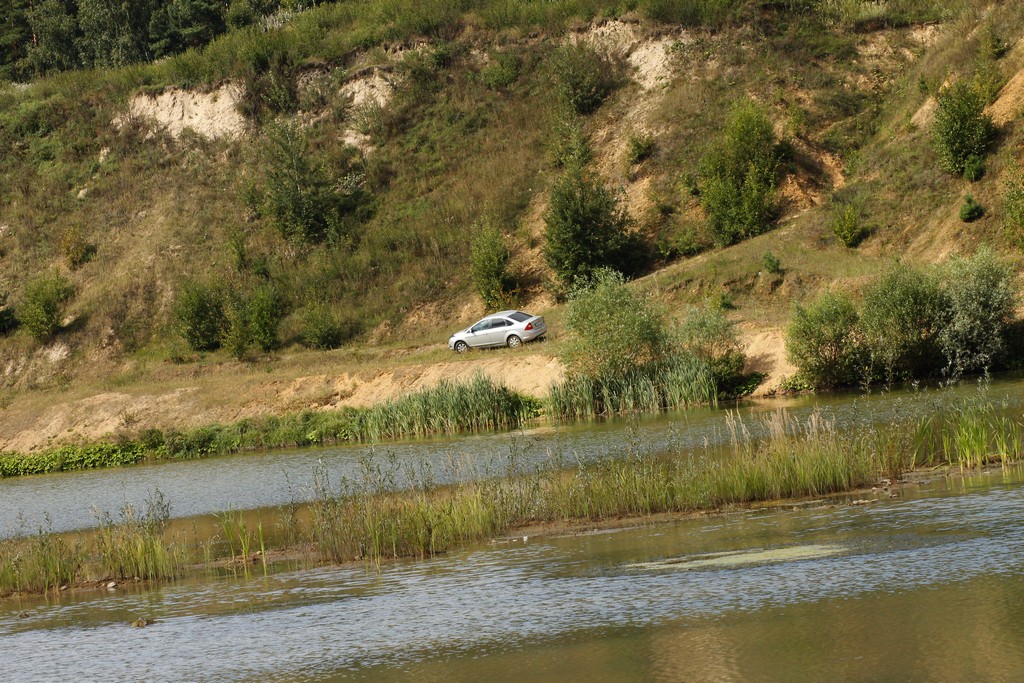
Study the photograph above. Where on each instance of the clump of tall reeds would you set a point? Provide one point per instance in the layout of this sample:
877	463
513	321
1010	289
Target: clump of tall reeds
448	408
678	382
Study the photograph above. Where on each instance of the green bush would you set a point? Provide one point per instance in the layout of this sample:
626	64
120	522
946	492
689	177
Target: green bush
971	210
824	341
962	128
490	267
771	263
1013	204
252	319
321	328
266	309
707	334
845	224
570	146
586	229
982	301
583	77
641	147
738	175
613	329
43	307
974	168
901	321
501	71
199	315
300	196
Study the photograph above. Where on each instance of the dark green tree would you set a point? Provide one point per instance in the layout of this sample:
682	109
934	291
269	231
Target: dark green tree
586	229
15	36
56	34
114	32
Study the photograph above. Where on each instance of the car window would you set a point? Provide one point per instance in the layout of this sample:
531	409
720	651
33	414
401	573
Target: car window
501	322
481	326
519	316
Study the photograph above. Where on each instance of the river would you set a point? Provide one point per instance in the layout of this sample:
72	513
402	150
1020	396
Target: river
70	500
926	586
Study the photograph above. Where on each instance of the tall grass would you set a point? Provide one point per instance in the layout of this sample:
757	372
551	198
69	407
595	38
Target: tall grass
448	408
681	382
371	518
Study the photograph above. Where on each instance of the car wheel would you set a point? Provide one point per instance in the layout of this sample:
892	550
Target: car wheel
514	342
461	347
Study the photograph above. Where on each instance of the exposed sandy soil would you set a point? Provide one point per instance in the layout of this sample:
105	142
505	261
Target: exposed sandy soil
35	422
212	115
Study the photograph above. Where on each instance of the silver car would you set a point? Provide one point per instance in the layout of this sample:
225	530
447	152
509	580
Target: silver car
506	328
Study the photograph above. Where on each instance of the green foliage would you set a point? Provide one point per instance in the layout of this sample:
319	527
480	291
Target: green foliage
771	263
252	319
321	328
583	77
738	175
962	128
1013	203
43	307
982	301
301	198
974	168
199	313
824	341
490	267
708	335
641	147
678	381
901	321
55	30
613	329
845	223
586	229
501	71
569	144
267	308
690	12
75	249
971	210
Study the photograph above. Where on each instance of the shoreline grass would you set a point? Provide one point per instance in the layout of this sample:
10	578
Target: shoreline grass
448	408
370	520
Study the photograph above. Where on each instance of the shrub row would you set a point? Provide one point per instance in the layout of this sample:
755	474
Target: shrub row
912	324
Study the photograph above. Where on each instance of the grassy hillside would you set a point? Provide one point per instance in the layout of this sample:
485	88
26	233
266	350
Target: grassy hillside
409	125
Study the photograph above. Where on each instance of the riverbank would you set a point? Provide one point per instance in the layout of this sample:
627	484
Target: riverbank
370	520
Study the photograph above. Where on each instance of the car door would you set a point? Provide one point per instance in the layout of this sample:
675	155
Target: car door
478	333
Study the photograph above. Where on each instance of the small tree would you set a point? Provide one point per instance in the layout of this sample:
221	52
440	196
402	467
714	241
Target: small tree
585	229
266	309
845	224
738	175
583	77
707	334
901	320
613	329
982	302
299	194
962	129
43	308
489	267
823	340
199	313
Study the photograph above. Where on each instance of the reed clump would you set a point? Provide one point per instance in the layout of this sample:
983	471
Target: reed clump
680	381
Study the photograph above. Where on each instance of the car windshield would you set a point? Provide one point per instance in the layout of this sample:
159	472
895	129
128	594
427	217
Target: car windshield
519	316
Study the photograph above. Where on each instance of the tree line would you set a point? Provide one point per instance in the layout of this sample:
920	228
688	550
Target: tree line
42	36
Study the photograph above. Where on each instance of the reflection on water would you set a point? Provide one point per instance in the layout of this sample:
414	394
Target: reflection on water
928	587
256	480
